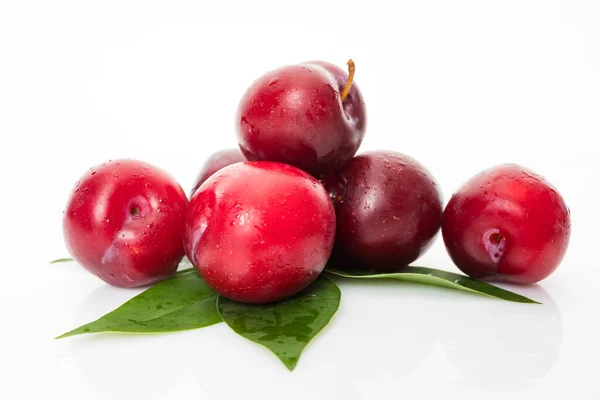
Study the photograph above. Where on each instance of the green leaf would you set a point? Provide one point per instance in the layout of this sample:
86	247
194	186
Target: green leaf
436	277
179	303
286	327
61	260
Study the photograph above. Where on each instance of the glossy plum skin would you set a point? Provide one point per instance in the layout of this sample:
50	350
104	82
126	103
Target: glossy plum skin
388	209
259	232
123	223
507	224
214	163
295	115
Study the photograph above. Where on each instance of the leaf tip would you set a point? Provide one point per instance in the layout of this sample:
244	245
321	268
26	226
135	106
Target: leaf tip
64	335
61	260
524	300
70	333
290	363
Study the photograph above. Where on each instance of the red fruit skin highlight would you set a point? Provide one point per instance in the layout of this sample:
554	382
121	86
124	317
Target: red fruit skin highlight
295	115
214	163
389	209
507	224
259	232
123	223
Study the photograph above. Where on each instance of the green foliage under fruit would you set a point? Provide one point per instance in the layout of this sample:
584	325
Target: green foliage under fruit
176	304
286	327
436	277
186	302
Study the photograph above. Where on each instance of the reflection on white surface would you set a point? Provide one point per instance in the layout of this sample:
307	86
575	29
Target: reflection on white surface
389	344
489	344
120	365
504	346
214	359
385	333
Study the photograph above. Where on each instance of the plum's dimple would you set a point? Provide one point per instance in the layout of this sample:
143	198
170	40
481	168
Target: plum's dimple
494	244
138	207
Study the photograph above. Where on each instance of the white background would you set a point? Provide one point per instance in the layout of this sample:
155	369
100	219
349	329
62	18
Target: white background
459	85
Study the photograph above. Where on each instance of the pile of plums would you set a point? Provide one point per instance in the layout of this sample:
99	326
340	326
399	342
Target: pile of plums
264	220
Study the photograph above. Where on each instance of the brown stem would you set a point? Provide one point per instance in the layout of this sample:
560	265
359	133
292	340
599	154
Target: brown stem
351	69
